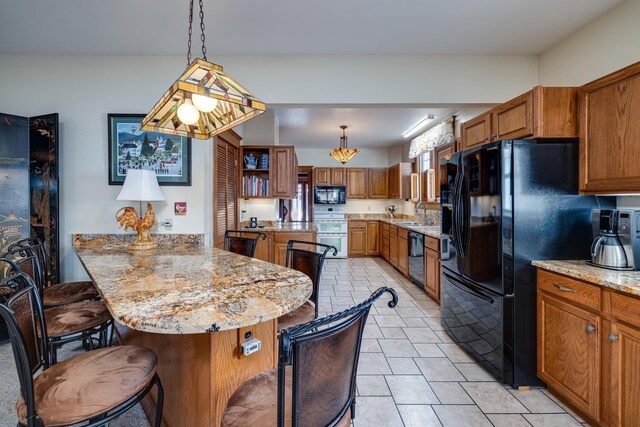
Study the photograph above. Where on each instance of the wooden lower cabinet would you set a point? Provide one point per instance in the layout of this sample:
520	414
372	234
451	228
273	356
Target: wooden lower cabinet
569	351
281	240
373	238
357	238
264	248
403	255
385	241
432	272
393	245
589	354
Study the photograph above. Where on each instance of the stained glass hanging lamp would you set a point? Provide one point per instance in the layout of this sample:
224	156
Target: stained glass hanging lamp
204	101
343	154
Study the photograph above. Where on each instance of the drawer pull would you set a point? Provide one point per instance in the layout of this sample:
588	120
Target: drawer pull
613	337
564	288
591	328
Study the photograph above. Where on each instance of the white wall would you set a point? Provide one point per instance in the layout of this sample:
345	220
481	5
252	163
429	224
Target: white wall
262	130
607	44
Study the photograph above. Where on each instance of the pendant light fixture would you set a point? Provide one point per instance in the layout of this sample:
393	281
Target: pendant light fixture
204	101
343	154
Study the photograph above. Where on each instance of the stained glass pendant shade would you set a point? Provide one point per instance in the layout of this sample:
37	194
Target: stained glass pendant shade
343	153
204	101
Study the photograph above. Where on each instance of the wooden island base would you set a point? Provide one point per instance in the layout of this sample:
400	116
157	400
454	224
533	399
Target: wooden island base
199	372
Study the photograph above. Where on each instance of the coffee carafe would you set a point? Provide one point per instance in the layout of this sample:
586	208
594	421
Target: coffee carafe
616	243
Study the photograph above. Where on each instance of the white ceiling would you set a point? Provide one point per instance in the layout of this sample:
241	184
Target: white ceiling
375	127
159	27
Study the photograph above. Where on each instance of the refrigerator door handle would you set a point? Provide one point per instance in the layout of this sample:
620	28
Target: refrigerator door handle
455	220
460	285
466	216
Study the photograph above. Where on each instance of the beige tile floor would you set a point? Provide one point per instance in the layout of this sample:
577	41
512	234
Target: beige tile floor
410	374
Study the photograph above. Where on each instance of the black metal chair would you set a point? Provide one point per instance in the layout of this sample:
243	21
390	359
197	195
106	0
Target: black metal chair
54	294
94	387
314	384
78	321
237	242
310	263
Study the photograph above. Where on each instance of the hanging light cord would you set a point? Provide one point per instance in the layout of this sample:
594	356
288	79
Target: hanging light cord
202	38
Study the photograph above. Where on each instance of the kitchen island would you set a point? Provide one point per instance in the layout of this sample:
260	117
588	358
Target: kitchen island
194	306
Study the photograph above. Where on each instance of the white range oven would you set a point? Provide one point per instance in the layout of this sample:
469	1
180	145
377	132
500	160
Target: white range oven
332	228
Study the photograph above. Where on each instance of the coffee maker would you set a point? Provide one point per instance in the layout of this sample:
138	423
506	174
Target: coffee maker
616	243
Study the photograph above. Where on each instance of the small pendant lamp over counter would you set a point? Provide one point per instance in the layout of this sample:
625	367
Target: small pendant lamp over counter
204	101
343	154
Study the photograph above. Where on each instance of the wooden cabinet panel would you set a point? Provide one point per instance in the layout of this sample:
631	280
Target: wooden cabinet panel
373	238
284	174
569	352
264	248
225	185
441	152
393	245
385	241
378	183
280	241
476	131
513	119
624	375
400	181
610	133
625	308
357	183
357	240
432	273
338	176
403	255
571	289
432	243
321	176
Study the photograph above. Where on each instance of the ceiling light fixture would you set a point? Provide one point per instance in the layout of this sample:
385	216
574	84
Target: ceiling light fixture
420	125
343	154
204	101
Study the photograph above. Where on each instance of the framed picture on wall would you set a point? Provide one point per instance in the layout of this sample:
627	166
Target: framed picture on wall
132	148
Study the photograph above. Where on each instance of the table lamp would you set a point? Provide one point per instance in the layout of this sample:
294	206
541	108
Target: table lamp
140	185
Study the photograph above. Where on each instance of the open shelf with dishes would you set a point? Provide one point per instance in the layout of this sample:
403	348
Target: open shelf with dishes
255	172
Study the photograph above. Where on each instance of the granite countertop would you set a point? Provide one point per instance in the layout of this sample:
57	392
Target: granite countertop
182	288
427	230
624	281
286	227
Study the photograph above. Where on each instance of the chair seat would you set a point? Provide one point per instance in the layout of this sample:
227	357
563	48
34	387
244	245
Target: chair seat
255	402
89	384
77	317
70	292
303	314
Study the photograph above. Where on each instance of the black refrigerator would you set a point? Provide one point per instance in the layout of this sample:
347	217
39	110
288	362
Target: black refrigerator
504	204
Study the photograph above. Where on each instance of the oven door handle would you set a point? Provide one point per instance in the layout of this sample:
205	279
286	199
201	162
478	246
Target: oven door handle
460	285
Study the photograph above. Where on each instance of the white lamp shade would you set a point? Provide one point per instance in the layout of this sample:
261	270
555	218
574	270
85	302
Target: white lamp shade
141	185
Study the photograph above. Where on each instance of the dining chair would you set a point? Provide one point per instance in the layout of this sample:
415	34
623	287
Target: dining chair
78	321
309	262
236	241
314	384
54	294
94	387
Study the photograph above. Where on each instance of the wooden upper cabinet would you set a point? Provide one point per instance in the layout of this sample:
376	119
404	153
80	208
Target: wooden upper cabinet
357	179
476	131
440	152
338	176
284	174
378	183
513	119
321	176
400	181
569	343
610	133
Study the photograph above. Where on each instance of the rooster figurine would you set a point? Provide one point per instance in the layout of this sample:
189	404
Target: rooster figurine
129	220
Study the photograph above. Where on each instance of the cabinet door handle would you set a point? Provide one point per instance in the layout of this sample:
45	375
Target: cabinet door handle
494	136
591	328
564	288
613	337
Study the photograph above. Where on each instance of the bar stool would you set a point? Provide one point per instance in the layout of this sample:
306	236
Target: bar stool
309	263
94	387
60	293
314	384
78	321
235	241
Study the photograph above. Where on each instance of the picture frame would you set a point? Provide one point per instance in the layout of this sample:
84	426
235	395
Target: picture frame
129	147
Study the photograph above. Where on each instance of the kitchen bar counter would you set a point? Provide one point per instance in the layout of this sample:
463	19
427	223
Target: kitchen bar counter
623	281
285	227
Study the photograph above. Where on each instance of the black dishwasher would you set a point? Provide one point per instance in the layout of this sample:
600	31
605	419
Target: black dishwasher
416	258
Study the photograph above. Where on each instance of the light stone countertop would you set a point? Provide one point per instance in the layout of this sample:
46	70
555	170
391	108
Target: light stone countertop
624	281
182	288
427	230
285	227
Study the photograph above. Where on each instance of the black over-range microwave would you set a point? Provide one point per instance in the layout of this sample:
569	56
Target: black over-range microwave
330	195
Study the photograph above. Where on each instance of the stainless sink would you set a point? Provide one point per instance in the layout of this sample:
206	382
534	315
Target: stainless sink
408	223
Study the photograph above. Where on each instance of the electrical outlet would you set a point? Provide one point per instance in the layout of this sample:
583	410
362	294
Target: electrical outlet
168	224
369	207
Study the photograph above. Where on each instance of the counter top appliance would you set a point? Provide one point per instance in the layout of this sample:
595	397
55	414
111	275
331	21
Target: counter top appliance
507	203
616	243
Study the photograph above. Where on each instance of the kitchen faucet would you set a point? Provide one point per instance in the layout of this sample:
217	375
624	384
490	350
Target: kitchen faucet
424	212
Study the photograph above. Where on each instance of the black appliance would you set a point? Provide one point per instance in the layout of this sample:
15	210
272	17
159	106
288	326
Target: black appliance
508	203
330	195
416	258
